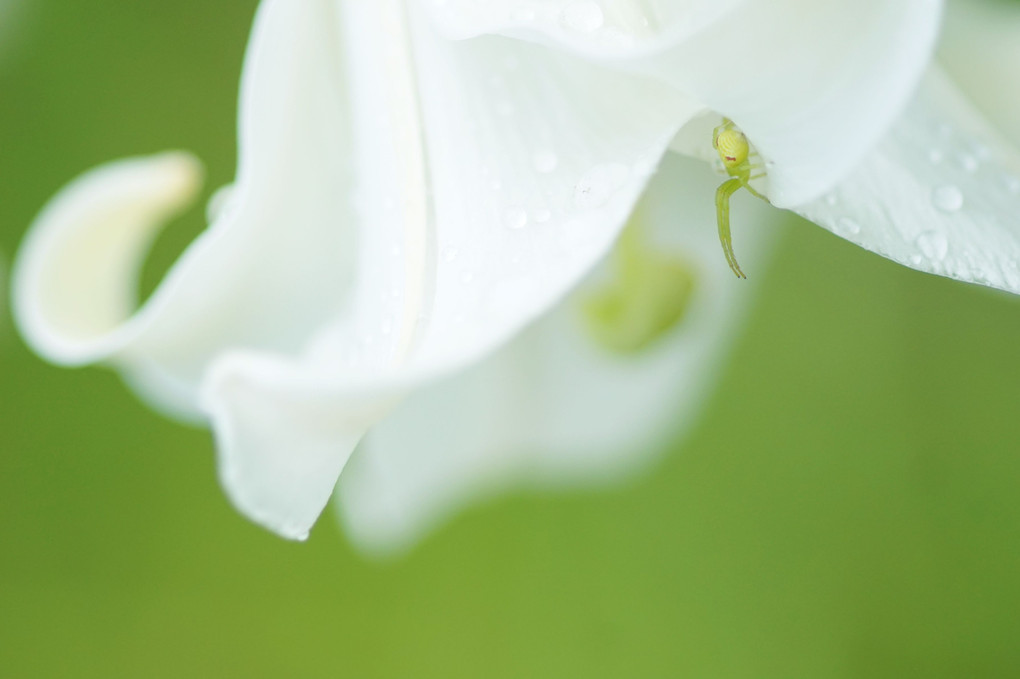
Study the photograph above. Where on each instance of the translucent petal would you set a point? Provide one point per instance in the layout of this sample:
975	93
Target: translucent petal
940	194
403	205
276	262
980	50
813	83
552	408
598	27
528	189
76	277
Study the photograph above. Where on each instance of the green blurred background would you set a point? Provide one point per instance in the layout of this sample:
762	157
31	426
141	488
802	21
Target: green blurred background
848	506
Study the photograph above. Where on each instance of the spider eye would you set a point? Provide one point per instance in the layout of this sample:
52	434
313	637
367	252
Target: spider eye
732	147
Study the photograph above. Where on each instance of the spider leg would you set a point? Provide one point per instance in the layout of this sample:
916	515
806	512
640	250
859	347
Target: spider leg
722	211
746	178
755	192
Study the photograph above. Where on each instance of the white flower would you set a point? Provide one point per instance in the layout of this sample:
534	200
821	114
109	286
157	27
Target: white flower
419	182
980	49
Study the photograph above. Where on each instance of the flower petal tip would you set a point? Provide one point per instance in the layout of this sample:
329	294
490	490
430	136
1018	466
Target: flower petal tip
75	277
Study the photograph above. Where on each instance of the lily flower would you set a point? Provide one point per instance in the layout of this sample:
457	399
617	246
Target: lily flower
418	183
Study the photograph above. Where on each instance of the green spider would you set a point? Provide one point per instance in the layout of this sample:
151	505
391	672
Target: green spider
736	155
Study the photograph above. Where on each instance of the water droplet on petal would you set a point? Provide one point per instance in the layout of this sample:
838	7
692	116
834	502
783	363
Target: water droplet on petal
969	163
1012	183
542	215
545	161
831	200
515	217
847	227
935	156
467	277
220	203
599	184
583	16
947	198
933	245
449	254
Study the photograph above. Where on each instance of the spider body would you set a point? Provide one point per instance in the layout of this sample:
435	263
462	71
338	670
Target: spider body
737	158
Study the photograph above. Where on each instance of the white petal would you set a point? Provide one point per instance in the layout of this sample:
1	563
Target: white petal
521	230
532	160
275	268
813	83
940	194
263	276
614	27
552	408
980	49
76	278
281	450
349	271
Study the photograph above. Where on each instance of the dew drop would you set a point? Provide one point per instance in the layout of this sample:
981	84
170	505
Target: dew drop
1012	183
545	161
220	203
599	185
386	328
935	156
933	245
847	226
496	185
831	200
467	277
449	254
947	198
583	16
968	163
542	215
515	218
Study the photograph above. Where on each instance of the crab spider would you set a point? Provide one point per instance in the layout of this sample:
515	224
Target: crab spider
736	155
